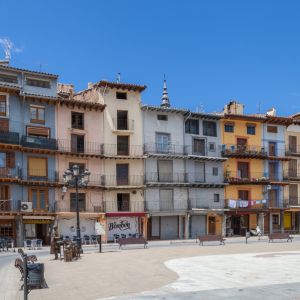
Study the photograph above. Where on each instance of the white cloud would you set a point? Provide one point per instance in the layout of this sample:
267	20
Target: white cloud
9	47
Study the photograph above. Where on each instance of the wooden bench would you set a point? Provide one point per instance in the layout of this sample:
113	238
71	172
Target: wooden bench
211	238
280	236
30	258
132	241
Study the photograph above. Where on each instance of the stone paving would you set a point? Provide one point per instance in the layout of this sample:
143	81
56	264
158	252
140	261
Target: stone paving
168	271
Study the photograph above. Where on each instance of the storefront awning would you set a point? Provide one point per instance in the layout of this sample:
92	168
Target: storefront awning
125	214
87	215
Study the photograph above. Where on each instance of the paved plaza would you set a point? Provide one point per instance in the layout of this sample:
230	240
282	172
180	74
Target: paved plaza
167	270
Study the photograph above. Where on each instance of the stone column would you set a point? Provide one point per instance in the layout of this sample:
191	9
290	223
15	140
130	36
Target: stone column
187	226
224	225
282	221
180	233
261	222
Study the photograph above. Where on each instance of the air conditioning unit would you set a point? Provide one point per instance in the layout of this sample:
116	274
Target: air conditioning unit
26	206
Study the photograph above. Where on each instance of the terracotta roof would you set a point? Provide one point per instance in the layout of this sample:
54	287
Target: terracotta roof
122	86
81	104
27	71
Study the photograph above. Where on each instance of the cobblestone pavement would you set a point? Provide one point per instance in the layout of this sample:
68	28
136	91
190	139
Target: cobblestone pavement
167	270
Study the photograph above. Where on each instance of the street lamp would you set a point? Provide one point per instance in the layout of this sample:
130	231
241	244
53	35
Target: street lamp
74	178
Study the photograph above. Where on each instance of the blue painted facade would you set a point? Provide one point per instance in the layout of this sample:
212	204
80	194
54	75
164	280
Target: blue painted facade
22	141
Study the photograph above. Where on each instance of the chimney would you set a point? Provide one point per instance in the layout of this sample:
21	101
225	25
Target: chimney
64	88
234	108
271	112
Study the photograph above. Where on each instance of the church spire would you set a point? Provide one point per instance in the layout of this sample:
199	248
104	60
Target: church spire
165	97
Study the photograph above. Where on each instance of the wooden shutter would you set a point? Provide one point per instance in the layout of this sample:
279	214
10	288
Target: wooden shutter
10	160
37	166
292	143
293	168
4	125
38	131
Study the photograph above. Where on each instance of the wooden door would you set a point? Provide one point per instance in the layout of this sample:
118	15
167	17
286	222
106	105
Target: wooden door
272	196
272	171
122	174
272	149
5	204
243	170
293	168
211	225
293	144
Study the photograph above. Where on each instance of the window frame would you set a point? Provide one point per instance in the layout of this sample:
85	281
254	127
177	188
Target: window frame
6	113
161	117
31	80
75	124
249	132
214	147
188	126
38	189
207	129
118	93
79	200
230	125
217	198
215	171
37	108
270	129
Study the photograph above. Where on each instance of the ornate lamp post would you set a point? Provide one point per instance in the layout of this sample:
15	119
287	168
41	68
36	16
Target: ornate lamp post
74	178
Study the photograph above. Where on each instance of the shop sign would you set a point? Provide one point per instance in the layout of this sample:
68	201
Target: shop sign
36	221
99	229
122	227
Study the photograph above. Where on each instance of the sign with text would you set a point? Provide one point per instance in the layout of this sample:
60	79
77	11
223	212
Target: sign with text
119	227
99	229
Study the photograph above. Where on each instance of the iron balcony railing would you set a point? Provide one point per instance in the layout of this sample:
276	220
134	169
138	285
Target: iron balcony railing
86	206
164	148
13	173
253	177
13	205
123	124
167	205
232	149
91	148
38	142
122	149
166	177
10	205
127	206
9	137
292	149
255	204
130	180
292	201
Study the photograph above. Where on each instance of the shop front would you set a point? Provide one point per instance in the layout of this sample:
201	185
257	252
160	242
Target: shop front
8	227
125	224
38	227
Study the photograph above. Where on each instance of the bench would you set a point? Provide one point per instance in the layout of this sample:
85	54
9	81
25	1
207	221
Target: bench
211	238
30	258
280	236
132	241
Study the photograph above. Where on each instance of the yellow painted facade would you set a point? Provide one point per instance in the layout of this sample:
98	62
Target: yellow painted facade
256	166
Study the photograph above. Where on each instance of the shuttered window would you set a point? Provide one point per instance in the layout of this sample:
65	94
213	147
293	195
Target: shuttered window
3	105
293	168
293	144
4	125
81	202
165	171
166	199
37	167
38	131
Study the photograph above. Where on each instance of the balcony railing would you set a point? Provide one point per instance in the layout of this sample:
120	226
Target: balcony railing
9	138
122	149
253	177
249	204
292	201
113	180
90	148
250	150
166	177
123	124
205	203
166	205
9	173
131	206
89	206
164	148
38	142
292	149
38	175
13	205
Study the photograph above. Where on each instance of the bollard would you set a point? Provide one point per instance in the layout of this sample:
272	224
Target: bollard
25	287
100	243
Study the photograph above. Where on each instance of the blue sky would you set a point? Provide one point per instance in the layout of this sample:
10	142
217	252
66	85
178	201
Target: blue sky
211	51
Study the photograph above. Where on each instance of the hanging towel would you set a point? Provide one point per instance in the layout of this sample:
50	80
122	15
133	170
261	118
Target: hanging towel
232	204
243	203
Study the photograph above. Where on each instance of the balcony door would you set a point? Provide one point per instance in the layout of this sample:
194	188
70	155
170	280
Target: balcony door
122	120
293	168
162	142
241	144
39	198
293	144
123	202
293	194
243	170
77	143
199	147
273	197
272	170
122	174
5	204
165	171
122	145
272	149
199	171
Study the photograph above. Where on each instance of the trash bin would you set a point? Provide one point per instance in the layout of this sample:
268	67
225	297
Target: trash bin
36	277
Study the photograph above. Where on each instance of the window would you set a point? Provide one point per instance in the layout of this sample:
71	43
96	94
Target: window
2	159
81	201
272	129
216	197
192	126
122	120
241	144
293	168
38	83
122	174
251	129
8	78
77	143
215	171
199	146
37	167
209	128
39	198
293	194
229	127
212	147
243	195
123	202
162	117
3	105
121	95
77	120
293	143
6	229
162	142
165	170
38	131
122	145
166	200
37	114
272	149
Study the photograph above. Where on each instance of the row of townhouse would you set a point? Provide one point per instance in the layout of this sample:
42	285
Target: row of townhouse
158	171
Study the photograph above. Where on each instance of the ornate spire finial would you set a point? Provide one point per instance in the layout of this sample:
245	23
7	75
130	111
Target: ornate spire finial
165	97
